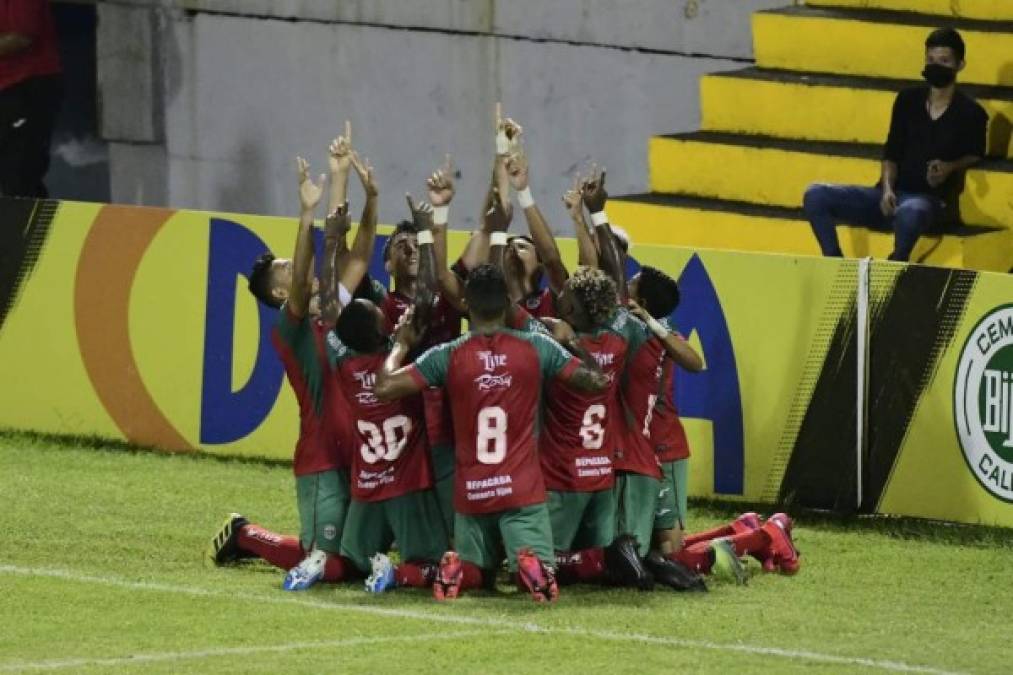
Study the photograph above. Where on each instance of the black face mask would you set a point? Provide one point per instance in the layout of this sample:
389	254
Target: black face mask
938	75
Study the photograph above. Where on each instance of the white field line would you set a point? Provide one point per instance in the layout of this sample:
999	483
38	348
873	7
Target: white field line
161	657
757	650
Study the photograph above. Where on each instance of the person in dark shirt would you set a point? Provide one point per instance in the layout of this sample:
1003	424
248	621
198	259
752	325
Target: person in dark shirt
936	133
30	91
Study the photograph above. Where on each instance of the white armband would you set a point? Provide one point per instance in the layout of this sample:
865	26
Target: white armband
599	218
425	237
440	215
525	199
502	143
344	297
657	327
498	239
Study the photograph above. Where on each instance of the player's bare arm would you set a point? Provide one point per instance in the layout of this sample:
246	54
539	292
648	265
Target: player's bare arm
357	264
440	190
675	346
339	163
302	260
393	380
335	228
611	259
587	249
13	42
541	235
588	376
498	220
426	283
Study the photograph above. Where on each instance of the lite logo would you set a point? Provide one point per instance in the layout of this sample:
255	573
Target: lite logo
604	359
365	378
492	361
983	402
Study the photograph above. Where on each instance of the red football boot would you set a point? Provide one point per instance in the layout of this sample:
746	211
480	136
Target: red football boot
536	577
747	522
782	551
448	578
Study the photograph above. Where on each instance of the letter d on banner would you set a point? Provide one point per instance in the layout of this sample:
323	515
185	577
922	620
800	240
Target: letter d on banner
228	415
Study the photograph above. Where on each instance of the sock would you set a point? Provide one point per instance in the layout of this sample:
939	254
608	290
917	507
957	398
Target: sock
707	535
751	543
699	557
336	568
471	576
279	550
587	565
416	574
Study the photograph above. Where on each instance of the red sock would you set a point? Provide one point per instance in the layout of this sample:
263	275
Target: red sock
587	565
750	542
707	535
280	551
471	576
416	574
336	568
697	557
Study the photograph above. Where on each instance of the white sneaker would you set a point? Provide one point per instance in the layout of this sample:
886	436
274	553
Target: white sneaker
382	577
306	573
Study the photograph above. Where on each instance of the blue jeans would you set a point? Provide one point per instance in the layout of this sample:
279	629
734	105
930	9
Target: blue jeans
827	205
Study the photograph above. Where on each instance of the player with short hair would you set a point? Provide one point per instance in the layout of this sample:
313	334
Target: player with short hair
494	379
320	463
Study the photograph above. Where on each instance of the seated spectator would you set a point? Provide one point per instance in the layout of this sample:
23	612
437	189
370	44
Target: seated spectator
936	133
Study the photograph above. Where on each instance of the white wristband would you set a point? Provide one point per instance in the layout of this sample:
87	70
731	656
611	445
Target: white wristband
525	198
502	143
656	327
425	237
498	239
440	215
344	297
599	218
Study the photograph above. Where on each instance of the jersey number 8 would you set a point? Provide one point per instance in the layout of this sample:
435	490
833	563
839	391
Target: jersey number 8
491	443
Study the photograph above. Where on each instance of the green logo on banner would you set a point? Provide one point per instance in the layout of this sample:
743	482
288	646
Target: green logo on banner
983	402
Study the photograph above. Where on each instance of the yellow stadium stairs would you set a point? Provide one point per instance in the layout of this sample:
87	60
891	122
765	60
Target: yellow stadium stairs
816	108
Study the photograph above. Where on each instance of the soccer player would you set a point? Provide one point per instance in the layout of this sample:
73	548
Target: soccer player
392	495
320	464
494	378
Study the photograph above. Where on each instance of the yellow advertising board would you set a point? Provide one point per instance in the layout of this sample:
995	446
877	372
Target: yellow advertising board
135	324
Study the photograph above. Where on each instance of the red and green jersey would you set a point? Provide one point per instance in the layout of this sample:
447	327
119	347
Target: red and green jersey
444	322
494	381
638	394
302	345
666	428
541	303
578	440
390	457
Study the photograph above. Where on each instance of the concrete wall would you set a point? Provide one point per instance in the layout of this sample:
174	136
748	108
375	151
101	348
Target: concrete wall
238	88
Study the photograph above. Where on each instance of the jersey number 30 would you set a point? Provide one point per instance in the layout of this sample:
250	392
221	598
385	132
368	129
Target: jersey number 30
387	445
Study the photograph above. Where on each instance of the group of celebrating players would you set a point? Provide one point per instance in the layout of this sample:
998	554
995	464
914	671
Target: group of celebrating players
545	435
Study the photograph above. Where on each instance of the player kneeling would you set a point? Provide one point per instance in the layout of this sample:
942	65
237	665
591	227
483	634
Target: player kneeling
494	380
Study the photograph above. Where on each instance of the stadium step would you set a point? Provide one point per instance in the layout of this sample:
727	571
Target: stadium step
793	104
996	10
698	222
775	172
876	43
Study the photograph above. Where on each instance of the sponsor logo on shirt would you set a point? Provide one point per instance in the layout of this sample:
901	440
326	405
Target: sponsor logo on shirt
497	486
491	361
366	380
492	381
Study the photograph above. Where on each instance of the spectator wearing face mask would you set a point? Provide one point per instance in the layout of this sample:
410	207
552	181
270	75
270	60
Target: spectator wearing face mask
936	133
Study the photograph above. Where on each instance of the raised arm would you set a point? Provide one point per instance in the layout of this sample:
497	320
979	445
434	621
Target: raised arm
588	376
300	287
587	249
541	235
440	188
356	265
339	161
335	228
675	346
425	287
595	196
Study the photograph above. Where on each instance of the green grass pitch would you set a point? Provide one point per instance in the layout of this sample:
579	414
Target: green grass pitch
101	570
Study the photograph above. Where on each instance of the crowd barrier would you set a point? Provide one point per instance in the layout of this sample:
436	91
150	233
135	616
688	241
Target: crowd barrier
135	324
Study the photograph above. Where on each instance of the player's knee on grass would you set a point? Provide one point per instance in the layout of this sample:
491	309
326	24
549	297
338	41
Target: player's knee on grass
636	504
